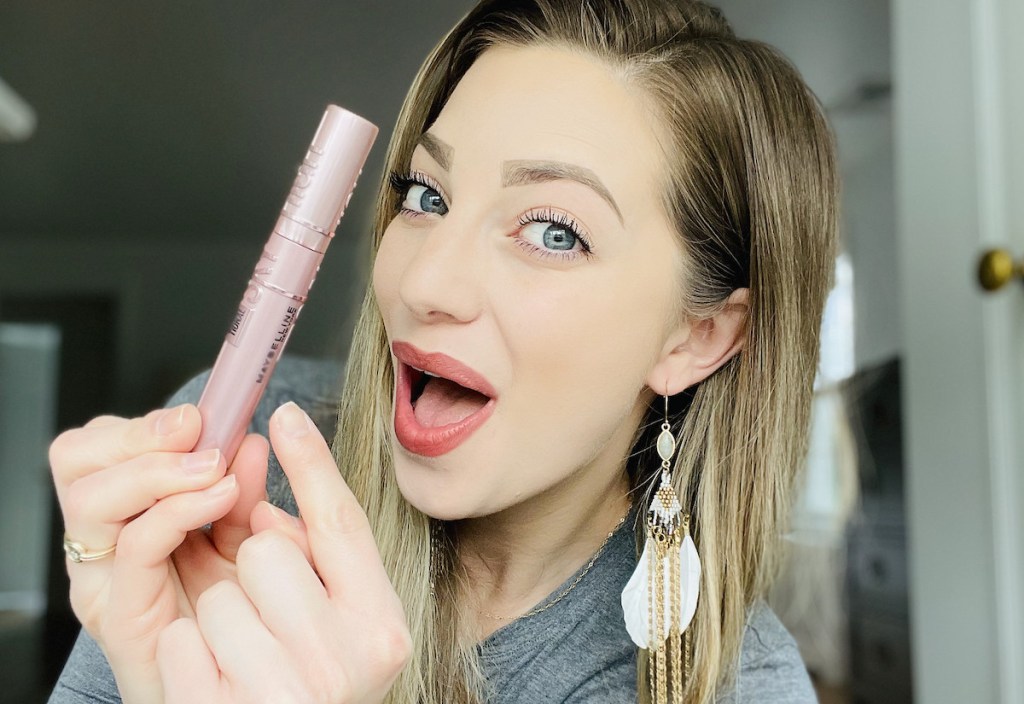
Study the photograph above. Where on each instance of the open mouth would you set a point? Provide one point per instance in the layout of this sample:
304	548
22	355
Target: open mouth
438	409
437	401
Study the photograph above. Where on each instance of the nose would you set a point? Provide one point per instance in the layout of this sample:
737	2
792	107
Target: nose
441	281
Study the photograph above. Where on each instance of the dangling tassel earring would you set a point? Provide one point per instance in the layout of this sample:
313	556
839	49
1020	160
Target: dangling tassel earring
661	597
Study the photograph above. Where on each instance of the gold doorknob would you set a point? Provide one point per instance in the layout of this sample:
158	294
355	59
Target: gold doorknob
996	268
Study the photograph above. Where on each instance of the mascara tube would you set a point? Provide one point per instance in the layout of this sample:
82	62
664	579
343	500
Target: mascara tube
282	278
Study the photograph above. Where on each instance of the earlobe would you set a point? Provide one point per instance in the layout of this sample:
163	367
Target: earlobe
697	349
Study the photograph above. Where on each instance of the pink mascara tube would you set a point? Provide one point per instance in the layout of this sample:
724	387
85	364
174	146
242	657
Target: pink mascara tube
282	278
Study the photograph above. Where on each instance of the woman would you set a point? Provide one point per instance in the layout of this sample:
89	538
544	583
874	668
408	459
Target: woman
598	217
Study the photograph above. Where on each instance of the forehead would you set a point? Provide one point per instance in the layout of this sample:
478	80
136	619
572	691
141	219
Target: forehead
552	103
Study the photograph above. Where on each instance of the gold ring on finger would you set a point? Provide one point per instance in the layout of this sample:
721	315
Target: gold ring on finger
77	552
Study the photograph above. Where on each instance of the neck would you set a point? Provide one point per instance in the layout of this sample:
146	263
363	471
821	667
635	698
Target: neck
515	558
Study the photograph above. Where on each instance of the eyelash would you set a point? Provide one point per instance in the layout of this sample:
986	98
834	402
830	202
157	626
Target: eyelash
546	214
400	183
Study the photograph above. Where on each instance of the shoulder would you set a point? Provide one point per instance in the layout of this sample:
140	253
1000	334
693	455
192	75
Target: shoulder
86	677
579	651
771	668
312	383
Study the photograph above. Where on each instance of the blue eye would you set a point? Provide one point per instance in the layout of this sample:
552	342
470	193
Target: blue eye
550	233
426	199
419	196
554	236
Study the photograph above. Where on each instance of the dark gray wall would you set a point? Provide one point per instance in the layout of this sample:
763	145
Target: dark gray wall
168	136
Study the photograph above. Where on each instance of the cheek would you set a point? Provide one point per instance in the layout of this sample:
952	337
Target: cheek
584	347
592	326
387	269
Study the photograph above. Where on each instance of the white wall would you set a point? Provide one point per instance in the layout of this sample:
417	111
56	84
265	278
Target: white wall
839	46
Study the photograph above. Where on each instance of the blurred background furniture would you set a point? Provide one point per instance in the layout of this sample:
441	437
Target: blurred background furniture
880	662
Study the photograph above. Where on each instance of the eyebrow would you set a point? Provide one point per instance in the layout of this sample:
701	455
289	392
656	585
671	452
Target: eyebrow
522	172
441	152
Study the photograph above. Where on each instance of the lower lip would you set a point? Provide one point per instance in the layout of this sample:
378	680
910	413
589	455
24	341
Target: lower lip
431	442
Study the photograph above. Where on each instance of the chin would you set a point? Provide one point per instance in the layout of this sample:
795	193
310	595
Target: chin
434	491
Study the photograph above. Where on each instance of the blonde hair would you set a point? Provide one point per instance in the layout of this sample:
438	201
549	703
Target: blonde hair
752	190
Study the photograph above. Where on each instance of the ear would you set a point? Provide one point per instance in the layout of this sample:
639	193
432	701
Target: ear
697	348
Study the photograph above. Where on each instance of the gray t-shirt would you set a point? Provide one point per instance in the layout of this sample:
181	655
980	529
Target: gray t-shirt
576	651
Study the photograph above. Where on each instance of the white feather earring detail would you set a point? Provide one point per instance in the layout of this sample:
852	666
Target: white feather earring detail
636	597
660	599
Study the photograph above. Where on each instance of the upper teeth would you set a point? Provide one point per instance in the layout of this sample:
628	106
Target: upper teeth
423	371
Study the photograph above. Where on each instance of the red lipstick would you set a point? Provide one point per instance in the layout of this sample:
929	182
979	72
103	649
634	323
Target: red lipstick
435	441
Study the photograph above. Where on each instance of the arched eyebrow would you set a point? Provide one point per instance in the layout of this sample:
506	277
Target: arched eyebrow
439	151
522	172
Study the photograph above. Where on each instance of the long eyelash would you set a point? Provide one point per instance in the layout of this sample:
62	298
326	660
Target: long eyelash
549	215
400	183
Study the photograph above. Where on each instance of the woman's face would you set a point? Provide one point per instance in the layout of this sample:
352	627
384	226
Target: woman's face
533	249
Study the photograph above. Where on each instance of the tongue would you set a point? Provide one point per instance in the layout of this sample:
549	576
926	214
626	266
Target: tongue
443	402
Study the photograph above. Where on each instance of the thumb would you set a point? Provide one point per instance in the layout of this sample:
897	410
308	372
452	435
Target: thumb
250	469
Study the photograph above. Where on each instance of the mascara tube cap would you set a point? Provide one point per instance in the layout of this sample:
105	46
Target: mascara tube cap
325	181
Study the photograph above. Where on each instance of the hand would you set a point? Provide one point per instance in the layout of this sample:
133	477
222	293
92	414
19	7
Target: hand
135	484
325	626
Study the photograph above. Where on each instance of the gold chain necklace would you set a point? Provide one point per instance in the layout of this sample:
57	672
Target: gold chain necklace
572	586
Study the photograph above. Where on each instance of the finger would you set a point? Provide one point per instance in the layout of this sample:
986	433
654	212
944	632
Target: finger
355	652
100	421
250	468
187	667
340	540
247	653
140	568
80	451
97	505
286	592
266	516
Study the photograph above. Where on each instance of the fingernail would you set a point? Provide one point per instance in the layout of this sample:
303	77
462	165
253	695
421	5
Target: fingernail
294	422
204	461
224	486
170	420
283	515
